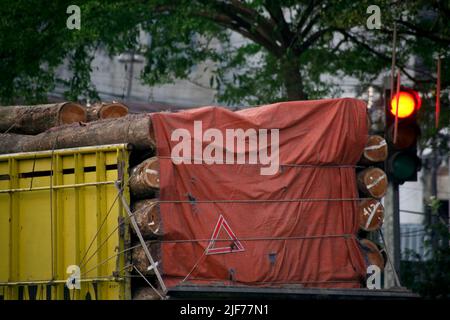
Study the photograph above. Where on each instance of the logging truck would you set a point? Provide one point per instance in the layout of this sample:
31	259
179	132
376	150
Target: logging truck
80	214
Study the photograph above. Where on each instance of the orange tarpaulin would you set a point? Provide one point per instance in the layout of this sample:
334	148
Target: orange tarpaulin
228	223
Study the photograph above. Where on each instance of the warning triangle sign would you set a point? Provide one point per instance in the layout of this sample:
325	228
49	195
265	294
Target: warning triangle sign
233	246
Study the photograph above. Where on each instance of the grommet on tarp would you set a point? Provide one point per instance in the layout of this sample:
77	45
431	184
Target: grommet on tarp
193	202
191	198
272	258
232	274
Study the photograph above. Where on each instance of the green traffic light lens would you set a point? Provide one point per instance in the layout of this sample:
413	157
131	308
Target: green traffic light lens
404	166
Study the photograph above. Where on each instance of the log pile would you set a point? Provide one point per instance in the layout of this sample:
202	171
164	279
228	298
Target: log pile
65	125
144	186
372	184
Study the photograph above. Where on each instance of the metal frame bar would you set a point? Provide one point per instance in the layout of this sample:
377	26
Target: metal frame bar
141	239
68	151
75	185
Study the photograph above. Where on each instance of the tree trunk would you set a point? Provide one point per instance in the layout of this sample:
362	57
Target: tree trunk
147	215
372	182
10	142
371	215
105	110
144	178
39	118
376	150
293	81
133	129
140	260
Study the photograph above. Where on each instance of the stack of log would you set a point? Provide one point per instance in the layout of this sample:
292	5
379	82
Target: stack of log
144	189
372	185
69	125
144	185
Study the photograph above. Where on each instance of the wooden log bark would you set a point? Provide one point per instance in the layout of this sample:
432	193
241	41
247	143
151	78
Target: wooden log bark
106	110
11	142
372	182
144	178
147	215
140	260
371	214
376	150
39	118
133	129
373	254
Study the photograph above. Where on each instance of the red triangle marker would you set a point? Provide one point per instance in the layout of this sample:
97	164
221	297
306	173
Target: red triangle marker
236	247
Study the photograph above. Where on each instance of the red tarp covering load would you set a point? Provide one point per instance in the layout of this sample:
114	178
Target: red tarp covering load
286	230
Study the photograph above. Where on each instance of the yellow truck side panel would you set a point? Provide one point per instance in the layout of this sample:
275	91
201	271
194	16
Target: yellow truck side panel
61	208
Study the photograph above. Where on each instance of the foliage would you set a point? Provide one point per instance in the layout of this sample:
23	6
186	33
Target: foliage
286	49
430	275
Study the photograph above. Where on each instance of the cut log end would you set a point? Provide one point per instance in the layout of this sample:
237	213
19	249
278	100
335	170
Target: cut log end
71	112
151	171
371	214
144	178
146	293
140	260
113	110
373	182
373	254
376	150
147	215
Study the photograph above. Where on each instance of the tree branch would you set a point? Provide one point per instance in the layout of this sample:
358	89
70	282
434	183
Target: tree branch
252	21
301	29
229	23
276	13
338	46
228	18
313	38
305	15
376	53
423	33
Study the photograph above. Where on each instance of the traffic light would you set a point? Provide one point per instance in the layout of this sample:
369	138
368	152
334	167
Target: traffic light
402	163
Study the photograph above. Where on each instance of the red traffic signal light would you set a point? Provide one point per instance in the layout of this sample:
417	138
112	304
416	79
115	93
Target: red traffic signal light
408	100
402	163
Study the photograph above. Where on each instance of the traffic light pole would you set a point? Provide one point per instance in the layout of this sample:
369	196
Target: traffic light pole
391	232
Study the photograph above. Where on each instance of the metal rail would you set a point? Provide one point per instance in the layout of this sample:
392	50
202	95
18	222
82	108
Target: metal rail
75	185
